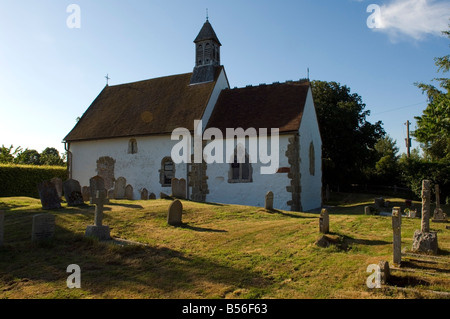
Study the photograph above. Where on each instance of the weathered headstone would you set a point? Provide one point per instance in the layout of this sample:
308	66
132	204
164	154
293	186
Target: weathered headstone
110	193
144	194
129	192
426	206
98	230
49	195
268	201
96	183
86	193
58	184
174	216
397	240
412	213
72	192
324	221
367	210
379	202
179	188
384	271
439	215
43	227
152	196
119	188
2	227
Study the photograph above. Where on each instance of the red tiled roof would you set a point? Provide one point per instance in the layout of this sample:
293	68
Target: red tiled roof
265	106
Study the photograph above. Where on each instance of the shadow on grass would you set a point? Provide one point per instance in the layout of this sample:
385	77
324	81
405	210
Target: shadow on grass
124	205
276	211
201	229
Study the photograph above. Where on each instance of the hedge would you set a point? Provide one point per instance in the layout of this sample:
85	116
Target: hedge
22	180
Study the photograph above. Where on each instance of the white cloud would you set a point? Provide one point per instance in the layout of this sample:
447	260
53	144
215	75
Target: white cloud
414	18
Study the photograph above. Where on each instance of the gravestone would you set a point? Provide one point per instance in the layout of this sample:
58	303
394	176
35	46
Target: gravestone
324	222
96	183
58	184
412	213
72	192
268	201
384	272
144	194
367	210
111	194
119	188
2	227
85	192
174	216
397	240
438	216
129	192
152	196
49	196
379	203
424	240
43	227
179	188
98	230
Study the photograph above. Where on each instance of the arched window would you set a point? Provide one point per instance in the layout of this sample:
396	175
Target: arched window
167	172
312	159
132	146
240	172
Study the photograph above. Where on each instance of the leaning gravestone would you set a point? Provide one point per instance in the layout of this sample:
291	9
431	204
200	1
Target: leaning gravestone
72	192
119	188
49	196
43	227
129	192
179	188
86	193
2	226
98	230
268	201
397	240
424	240
324	222
58	184
144	194
175	213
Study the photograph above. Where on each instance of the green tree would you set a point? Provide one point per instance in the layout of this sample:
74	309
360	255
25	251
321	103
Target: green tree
50	156
29	157
7	154
348	138
387	170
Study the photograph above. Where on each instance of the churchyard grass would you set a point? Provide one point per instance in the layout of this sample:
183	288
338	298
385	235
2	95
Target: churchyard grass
220	251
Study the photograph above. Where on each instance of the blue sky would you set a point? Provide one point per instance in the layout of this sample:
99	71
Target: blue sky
50	73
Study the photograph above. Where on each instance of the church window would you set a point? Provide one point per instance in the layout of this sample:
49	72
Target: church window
240	172
167	171
132	146
312	159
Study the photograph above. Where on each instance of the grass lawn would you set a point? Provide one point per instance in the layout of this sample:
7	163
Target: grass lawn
220	251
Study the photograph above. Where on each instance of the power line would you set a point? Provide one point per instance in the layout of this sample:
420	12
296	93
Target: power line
399	108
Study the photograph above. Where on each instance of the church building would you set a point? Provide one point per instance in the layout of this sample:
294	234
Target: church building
127	133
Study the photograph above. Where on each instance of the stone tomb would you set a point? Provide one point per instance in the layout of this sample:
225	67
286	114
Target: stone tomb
324	222
49	196
179	188
174	216
2	227
43	227
72	192
98	230
268	201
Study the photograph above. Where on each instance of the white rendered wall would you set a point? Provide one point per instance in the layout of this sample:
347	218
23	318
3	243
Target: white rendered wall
141	170
252	194
311	186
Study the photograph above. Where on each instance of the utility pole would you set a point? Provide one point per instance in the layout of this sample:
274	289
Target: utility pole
408	140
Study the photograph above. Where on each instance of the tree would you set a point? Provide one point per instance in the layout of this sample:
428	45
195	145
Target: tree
29	157
433	127
7	155
387	170
348	138
50	156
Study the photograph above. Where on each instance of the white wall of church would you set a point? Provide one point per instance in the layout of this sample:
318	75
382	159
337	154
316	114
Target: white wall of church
141	170
252	194
311	185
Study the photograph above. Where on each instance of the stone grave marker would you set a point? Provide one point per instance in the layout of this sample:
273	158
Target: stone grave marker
49	195
86	193
379	203
324	221
72	192
111	193
438	216
268	201
152	196
397	229
98	230
2	227
144	194
179	188
175	213
43	227
384	272
119	188
129	192
367	210
426	192
96	183
58	184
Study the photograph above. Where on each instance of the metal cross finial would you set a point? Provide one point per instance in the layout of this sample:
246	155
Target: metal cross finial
107	79
207	16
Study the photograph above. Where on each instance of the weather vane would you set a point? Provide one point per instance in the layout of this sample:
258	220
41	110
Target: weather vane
207	16
107	79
